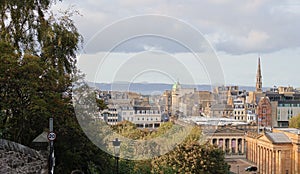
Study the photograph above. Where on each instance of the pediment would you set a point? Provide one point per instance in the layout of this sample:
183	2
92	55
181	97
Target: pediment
265	139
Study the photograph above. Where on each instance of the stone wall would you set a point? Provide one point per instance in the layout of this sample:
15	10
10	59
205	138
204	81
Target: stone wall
17	158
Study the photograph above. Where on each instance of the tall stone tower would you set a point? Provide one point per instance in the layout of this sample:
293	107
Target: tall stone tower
258	78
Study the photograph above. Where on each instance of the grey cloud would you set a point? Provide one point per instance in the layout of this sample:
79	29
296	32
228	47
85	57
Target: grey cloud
232	26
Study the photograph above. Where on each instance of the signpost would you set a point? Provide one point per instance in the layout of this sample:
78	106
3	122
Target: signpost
51	137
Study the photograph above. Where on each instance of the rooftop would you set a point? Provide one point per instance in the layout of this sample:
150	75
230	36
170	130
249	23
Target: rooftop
278	137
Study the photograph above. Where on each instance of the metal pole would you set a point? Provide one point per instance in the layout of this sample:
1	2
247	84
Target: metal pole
51	156
117	158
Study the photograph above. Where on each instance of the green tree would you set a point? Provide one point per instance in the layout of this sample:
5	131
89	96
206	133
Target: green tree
191	157
37	68
101	104
294	122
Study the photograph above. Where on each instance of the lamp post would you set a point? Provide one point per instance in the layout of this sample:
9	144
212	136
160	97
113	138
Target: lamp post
238	169
116	144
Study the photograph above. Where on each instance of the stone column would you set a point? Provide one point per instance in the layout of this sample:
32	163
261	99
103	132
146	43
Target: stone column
243	146
230	142
253	152
236	145
274	161
260	159
270	161
278	161
267	160
256	152
248	145
263	157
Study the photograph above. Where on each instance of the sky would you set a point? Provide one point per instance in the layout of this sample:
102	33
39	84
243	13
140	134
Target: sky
193	41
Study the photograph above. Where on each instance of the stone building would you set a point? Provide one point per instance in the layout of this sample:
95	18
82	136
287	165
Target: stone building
229	139
221	111
276	152
226	94
239	109
177	97
264	112
258	78
285	103
167	102
110	115
146	117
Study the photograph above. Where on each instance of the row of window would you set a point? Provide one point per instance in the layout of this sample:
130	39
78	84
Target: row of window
112	120
290	114
141	119
289	105
225	112
239	106
110	115
147	112
125	113
239	112
238	118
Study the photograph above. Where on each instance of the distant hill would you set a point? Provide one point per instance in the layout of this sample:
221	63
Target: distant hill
152	88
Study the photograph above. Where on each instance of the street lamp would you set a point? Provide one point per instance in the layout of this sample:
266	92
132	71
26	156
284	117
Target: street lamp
238	169
116	144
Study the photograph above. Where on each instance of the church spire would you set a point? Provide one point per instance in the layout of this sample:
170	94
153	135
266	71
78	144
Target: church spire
258	78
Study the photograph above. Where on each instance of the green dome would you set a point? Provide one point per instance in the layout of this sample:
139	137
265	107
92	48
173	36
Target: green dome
176	86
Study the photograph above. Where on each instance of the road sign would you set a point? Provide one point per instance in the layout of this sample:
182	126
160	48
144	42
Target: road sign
51	136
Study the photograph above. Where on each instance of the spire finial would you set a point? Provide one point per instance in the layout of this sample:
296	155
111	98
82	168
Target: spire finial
258	77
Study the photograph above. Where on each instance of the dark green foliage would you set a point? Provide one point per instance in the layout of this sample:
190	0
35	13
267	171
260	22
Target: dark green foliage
101	105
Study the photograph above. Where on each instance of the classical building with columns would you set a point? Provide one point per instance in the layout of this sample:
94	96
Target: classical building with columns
230	139
276	152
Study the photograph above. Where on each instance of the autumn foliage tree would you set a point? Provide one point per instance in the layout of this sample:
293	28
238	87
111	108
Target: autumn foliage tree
294	122
191	156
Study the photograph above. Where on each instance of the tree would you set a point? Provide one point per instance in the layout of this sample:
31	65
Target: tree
101	104
191	157
294	122
30	27
37	68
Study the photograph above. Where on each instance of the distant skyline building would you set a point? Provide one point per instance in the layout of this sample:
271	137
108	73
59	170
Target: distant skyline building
258	77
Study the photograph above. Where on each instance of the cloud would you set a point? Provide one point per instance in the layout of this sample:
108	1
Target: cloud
232	26
151	48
